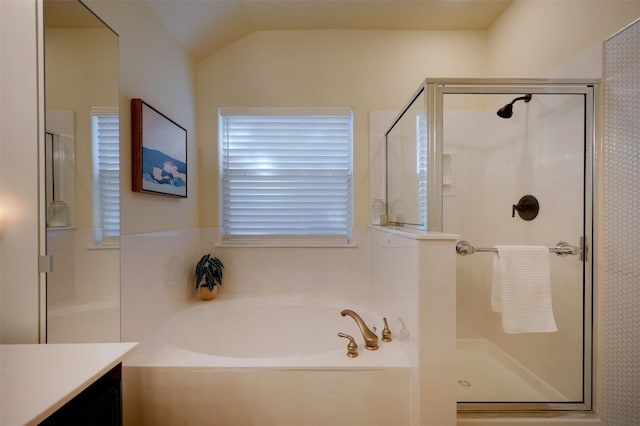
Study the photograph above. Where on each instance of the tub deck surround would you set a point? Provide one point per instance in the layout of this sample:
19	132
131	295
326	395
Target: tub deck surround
39	379
266	360
263	396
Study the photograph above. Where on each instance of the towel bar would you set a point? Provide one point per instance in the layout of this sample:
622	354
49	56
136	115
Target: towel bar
562	248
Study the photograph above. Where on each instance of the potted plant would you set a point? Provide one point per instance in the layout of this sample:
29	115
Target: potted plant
208	276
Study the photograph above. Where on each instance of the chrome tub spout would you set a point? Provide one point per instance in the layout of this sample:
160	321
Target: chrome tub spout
370	338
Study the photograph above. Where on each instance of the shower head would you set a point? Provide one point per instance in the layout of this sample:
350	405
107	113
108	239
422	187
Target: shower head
507	110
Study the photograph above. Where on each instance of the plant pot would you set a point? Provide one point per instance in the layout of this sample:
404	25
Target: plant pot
207	294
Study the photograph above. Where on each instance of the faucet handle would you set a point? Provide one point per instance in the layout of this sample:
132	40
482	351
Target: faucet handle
386	332
352	347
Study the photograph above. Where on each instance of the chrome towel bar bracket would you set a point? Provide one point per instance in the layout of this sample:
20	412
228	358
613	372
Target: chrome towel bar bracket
562	248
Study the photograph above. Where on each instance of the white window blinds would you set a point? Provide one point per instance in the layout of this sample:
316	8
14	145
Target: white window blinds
421	165
286	174
105	127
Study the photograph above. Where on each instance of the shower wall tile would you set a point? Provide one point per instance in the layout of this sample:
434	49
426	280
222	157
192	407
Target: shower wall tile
621	173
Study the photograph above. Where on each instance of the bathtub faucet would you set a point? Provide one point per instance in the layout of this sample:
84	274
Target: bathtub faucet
370	338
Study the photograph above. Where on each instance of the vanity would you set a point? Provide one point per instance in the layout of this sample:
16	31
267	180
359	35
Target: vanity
47	383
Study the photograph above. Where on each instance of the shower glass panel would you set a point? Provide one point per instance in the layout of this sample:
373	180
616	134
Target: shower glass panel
489	143
406	145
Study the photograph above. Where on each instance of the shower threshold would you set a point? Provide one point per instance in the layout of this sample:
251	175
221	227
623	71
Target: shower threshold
485	373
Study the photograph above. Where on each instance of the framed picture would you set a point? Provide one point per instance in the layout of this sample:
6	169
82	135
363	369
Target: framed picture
158	152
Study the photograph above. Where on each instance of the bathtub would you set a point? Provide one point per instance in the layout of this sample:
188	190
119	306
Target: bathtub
266	361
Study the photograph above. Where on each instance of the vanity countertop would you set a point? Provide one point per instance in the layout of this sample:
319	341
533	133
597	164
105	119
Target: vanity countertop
36	380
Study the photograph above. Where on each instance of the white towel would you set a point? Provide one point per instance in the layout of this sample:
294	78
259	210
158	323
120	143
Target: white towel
521	289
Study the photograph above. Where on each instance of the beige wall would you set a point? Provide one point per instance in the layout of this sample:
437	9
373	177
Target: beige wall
154	68
365	70
533	37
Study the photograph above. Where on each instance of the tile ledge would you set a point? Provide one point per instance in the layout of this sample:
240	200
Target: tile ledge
416	235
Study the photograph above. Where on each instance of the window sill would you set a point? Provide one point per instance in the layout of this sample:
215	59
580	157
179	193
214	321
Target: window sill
104	247
287	244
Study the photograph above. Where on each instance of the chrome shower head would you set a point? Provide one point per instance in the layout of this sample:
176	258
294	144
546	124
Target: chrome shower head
507	110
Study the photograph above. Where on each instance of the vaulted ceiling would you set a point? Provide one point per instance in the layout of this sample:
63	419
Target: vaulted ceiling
204	26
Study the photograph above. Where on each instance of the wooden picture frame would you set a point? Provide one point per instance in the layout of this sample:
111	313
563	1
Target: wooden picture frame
158	152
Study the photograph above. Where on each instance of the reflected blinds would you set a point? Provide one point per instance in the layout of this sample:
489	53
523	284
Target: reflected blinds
421	165
106	175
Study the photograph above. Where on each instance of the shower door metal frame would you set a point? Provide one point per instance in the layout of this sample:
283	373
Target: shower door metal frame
435	90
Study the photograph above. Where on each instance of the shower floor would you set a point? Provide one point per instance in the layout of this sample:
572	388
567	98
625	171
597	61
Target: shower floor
487	374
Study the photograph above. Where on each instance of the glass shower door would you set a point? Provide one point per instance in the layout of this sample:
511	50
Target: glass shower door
539	148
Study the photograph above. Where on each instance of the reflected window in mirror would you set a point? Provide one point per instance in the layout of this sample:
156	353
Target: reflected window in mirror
105	129
421	164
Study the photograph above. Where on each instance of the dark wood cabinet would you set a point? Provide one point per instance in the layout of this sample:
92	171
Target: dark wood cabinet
100	404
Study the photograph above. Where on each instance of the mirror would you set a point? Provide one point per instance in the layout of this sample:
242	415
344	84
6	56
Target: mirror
406	144
82	174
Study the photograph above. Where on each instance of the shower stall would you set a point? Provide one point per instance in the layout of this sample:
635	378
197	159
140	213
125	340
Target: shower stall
506	163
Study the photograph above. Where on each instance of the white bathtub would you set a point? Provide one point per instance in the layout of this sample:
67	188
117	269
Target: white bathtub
266	361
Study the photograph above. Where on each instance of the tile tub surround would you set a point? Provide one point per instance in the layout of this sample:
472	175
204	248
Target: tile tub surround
405	276
334	271
157	272
263	396
262	370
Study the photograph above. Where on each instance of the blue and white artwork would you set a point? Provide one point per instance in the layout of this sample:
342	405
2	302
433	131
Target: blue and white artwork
164	154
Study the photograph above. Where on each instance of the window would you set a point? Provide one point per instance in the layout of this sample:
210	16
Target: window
286	174
105	138
421	165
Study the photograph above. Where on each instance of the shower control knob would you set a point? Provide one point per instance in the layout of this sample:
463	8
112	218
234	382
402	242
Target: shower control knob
527	208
